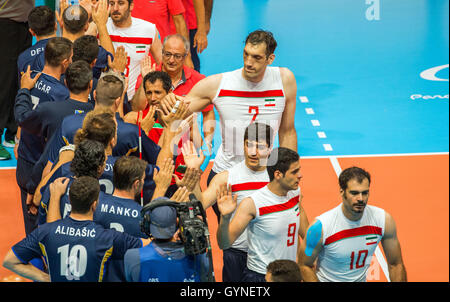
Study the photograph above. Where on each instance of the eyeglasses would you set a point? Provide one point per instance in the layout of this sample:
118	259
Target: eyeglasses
177	56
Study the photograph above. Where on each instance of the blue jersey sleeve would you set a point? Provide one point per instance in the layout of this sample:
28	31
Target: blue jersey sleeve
124	242
28	248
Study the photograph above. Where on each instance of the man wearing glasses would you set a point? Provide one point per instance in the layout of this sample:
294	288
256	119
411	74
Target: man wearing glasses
174	53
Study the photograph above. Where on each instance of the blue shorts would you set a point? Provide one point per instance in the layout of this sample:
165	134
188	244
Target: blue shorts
234	264
251	276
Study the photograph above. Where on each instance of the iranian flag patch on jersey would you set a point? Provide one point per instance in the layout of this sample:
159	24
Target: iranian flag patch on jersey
269	102
140	48
371	239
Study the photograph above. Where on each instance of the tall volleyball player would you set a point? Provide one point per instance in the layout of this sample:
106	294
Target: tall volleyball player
255	93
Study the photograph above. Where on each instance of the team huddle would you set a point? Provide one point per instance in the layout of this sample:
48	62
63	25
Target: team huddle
109	123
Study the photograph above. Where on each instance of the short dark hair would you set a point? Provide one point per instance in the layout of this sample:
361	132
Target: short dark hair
85	48
83	193
262	36
108	89
259	131
283	158
57	50
42	20
352	173
126	171
98	125
89	156
75	18
284	270
78	76
163	76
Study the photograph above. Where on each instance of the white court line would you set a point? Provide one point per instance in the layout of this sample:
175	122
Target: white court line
337	168
373	155
304	99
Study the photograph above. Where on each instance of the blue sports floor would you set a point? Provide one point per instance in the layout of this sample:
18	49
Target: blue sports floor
373	91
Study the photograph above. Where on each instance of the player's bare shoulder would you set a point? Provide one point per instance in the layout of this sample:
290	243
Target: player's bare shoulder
288	78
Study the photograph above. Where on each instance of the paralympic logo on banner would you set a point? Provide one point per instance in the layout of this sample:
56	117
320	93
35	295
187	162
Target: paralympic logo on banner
431	75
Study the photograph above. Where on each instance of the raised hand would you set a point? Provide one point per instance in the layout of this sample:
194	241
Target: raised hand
120	60
181	195
192	158
26	81
100	13
190	179
146	66
226	202
163	178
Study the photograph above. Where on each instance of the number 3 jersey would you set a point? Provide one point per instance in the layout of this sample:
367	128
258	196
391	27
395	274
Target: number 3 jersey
239	102
273	233
348	246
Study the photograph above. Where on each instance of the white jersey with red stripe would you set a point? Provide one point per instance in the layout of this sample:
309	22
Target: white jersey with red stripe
273	233
348	246
137	40
244	182
239	102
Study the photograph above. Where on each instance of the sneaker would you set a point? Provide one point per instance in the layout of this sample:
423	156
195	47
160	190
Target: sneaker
4	154
9	144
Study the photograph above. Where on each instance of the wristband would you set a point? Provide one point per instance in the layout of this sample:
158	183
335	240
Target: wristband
67	147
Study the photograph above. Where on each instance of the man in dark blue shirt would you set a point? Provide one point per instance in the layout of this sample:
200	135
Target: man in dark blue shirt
48	88
44	119
75	21
74	248
120	211
42	23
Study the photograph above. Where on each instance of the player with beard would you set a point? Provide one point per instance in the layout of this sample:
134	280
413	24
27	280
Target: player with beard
344	239
138	37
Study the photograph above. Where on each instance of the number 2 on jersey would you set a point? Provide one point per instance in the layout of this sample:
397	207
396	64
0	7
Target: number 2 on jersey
256	110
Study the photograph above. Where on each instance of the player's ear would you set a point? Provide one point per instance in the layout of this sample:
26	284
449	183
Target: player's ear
94	206
93	63
32	32
271	58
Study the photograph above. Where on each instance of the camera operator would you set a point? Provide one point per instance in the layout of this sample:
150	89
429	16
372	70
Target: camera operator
165	259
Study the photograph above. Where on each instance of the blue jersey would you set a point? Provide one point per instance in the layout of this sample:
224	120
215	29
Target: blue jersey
33	56
105	181
165	262
46	89
102	62
75	250
127	139
46	118
123	215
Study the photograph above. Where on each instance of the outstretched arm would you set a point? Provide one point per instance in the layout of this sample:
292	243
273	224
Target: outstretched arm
287	134
393	252
28	271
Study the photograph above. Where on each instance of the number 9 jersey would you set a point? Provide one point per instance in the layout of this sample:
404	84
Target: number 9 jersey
273	233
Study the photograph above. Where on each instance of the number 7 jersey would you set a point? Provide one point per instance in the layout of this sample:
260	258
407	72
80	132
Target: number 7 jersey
239	103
